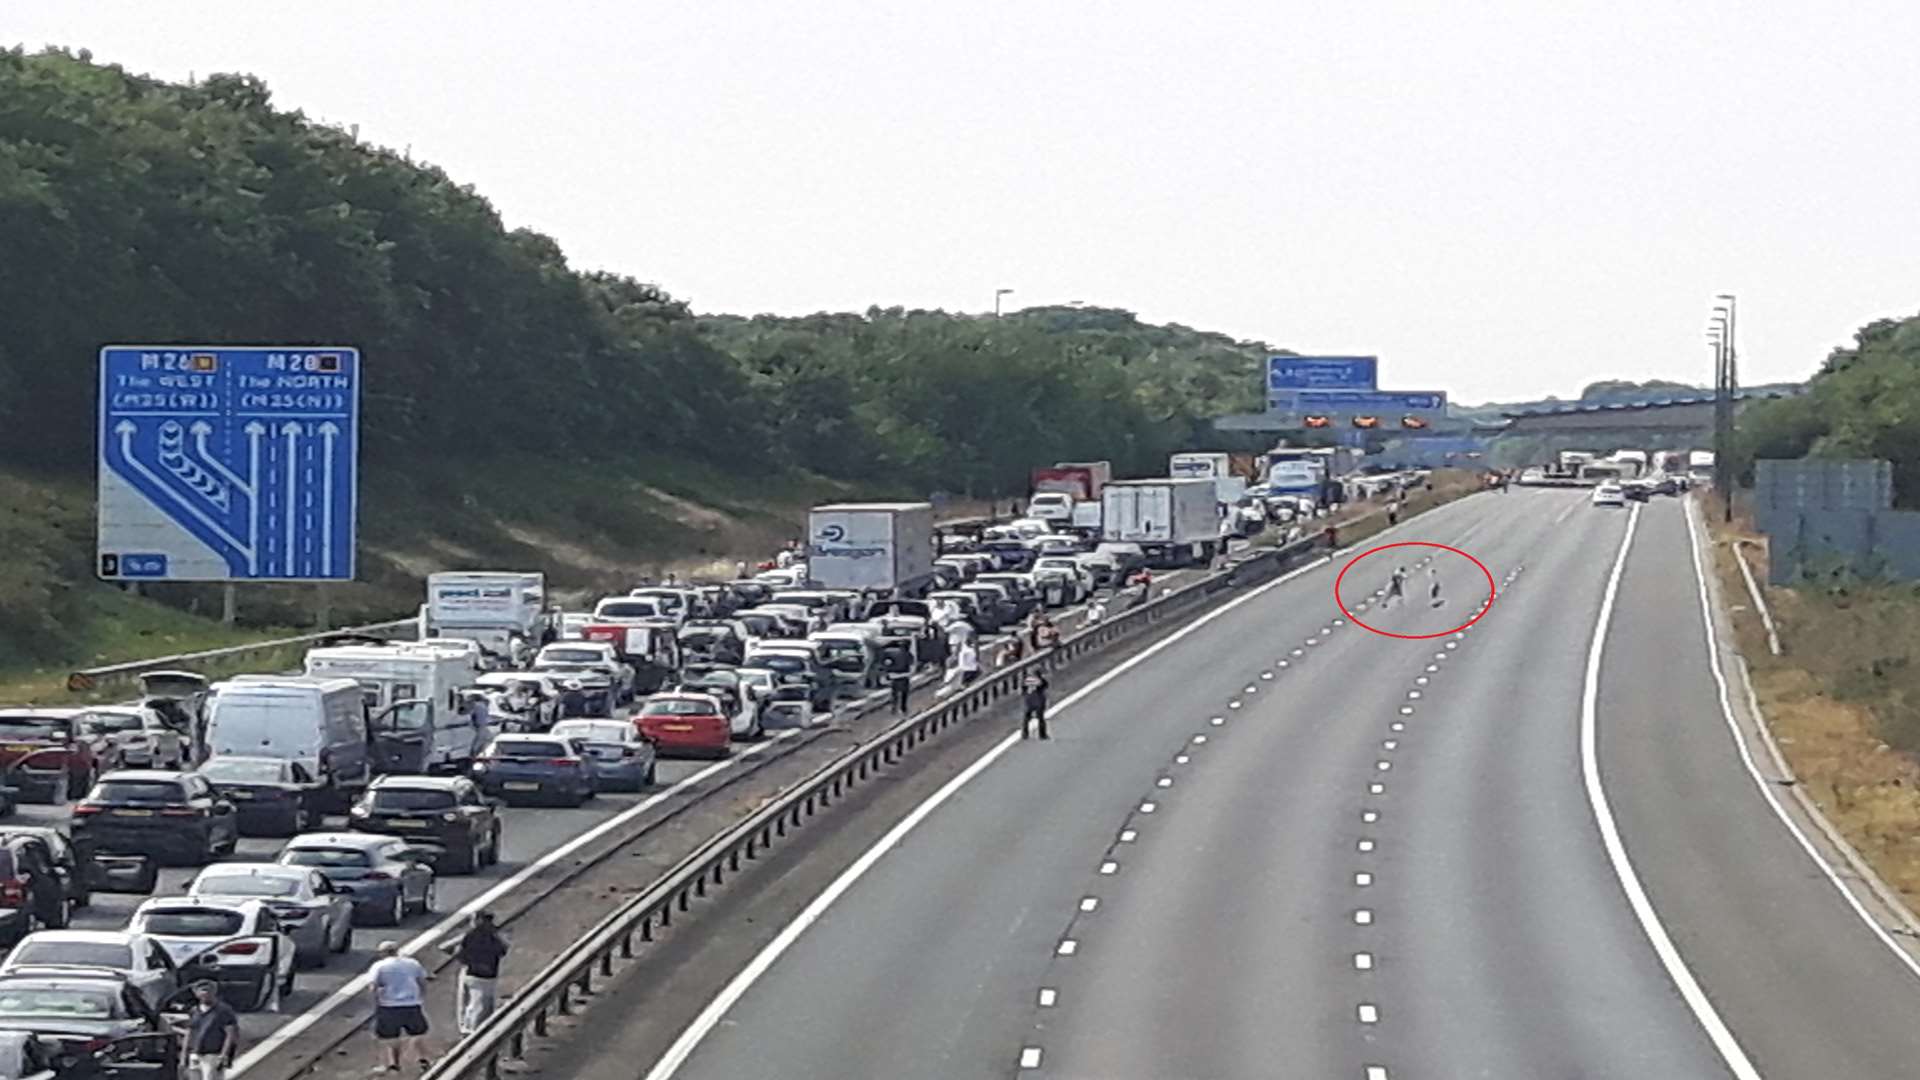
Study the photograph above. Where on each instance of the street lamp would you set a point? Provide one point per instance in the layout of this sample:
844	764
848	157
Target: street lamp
1726	384
997	294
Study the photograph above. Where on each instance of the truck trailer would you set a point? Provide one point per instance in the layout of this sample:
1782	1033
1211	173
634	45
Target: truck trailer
1175	521
871	547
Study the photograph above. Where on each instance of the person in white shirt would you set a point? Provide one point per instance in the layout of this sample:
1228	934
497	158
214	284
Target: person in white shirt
399	987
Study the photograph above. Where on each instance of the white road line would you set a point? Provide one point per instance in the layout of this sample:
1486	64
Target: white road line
1089	903
355	989
1368	1014
1109	867
1048	996
1217	721
1368	817
1421	679
1683	980
1067	947
1383	766
1146	808
1363	961
1376	1072
1398	725
1413	695
1199	740
1363	917
1030	1058
1377	789
1390	744
1165	781
1406	710
1230	705
1363	879
1180	759
1127	835
1365	845
1753	767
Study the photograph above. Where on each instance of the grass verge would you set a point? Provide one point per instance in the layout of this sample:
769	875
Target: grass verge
1841	700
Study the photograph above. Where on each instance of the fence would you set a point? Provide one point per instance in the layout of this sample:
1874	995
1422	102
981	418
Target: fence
100	678
617	937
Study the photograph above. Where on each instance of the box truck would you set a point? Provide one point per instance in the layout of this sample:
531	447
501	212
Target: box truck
503	611
871	547
1175	521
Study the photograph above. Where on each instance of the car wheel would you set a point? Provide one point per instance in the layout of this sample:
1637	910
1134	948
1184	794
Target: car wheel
346	932
652	768
286	985
397	910
468	860
426	899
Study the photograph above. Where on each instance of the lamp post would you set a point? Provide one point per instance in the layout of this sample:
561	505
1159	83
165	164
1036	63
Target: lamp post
1727	385
997	294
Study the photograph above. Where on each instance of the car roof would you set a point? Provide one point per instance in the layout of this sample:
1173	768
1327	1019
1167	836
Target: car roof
364	841
147	775
241	904
413	780
92	937
252	869
683	695
24	711
63	975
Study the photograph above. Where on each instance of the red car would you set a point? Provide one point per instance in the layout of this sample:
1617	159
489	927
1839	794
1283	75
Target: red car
685	724
53	738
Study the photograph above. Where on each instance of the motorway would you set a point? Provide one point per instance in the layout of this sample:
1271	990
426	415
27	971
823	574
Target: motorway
1281	845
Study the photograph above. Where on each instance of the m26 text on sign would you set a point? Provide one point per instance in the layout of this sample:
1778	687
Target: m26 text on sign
228	463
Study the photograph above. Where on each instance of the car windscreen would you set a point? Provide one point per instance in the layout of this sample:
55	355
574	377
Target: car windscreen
194	922
836	649
1057	564
759	625
598	732
526	748
32	727
326	857
627	609
571	656
677	707
402	798
243	771
138	791
112	721
56	1003
246	885
105	954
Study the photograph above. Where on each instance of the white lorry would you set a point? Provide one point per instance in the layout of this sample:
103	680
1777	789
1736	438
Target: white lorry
1176	522
1229	486
1700	467
504	611
412	694
871	547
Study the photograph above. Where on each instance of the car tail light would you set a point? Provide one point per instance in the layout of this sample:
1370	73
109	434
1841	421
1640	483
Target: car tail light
239	948
563	761
84	809
13	892
378	875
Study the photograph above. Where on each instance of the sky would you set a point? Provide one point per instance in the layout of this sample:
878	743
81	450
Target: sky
1503	200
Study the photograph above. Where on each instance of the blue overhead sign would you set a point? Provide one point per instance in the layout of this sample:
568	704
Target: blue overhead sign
228	464
1322	372
1310	401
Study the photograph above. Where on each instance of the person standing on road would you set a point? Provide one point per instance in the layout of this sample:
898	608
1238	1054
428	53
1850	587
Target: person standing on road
968	662
399	987
479	951
1396	587
897	662
1096	610
1014	651
1433	591
213	1034
1033	690
1046	635
1393	512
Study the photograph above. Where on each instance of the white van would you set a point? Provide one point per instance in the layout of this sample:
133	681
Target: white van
320	724
412	691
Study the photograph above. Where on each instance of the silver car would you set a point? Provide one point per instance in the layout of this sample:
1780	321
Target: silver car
317	916
387	878
620	758
136	737
140	958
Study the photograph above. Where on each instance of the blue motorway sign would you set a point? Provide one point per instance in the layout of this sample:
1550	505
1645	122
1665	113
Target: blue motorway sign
228	464
1357	401
1322	372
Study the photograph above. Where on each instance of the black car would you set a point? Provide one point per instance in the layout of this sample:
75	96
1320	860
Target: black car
1014	556
171	815
797	668
447	812
33	891
80	869
94	1022
1638	492
711	641
271	796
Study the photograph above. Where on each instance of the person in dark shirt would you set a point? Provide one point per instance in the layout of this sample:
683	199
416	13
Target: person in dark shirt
1034	691
898	664
213	1034
479	951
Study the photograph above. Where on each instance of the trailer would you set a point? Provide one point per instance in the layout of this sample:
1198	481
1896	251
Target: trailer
1176	522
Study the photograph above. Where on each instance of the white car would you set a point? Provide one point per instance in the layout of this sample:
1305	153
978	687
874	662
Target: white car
317	916
1609	495
1051	506
239	944
1062	579
136	737
573	625
562	657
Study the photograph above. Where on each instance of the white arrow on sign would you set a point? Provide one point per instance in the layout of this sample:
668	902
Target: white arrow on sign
125	429
329	431
291	429
200	430
255	430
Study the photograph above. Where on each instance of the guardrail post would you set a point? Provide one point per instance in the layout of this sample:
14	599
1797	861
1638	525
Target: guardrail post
626	946
646	929
540	1024
517	1045
606	961
733	859
686	899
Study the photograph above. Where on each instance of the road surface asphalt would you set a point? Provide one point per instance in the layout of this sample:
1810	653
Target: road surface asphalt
1286	846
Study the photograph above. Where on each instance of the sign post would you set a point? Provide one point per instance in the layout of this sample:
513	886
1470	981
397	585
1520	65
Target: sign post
228	463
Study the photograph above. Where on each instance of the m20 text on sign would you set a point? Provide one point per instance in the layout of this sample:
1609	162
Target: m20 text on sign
228	464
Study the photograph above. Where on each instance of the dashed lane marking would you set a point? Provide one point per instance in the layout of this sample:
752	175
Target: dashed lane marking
1089	903
1048	996
1363	917
1030	1058
1363	879
1369	1014
1363	961
1067	947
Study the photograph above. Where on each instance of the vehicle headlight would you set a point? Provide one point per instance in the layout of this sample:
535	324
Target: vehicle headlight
449	816
358	811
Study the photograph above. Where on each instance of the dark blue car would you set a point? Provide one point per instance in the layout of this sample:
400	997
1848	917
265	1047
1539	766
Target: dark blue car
534	768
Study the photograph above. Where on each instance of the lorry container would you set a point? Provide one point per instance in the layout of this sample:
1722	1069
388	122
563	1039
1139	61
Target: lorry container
1700	466
1176	521
1100	472
504	611
871	547
1229	484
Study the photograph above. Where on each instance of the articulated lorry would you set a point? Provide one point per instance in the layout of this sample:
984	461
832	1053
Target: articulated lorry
1175	521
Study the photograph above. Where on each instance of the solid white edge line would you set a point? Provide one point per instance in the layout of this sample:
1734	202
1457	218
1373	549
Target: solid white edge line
357	986
730	995
1753	768
1716	1029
